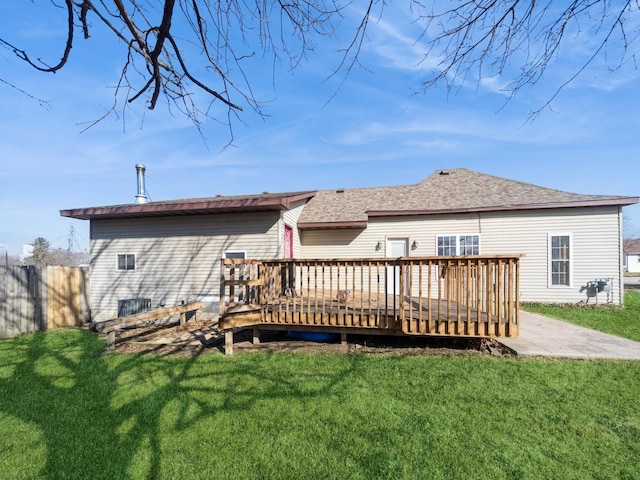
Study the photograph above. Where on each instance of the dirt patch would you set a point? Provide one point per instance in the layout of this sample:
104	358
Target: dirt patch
196	338
370	345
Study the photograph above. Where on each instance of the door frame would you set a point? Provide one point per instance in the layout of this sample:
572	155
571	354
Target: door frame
288	241
393	273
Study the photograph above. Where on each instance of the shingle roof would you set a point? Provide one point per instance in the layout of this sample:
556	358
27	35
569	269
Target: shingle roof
632	246
451	191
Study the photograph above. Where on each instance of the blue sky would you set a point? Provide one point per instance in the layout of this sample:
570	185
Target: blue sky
371	130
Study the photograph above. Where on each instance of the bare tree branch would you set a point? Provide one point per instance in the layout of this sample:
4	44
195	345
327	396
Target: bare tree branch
485	37
162	53
195	54
67	49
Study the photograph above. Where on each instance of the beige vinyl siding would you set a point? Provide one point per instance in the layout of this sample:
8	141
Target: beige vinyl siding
177	258
594	232
595	243
290	217
633	263
351	243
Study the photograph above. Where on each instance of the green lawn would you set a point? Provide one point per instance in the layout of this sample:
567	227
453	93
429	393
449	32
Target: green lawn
70	411
624	322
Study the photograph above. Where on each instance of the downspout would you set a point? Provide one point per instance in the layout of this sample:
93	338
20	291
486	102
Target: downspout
620	255
279	243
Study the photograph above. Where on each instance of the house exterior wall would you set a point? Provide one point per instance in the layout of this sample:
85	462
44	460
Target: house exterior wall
177	258
594	232
633	263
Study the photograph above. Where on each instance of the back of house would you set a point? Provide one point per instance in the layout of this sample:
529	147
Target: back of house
152	254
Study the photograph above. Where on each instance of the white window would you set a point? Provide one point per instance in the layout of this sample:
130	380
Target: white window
469	244
450	245
560	260
446	245
126	261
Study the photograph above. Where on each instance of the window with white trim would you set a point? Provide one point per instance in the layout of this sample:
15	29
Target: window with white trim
560	262
126	261
451	245
469	244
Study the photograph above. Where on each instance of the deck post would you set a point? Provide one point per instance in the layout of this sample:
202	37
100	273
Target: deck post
111	340
343	338
228	342
256	337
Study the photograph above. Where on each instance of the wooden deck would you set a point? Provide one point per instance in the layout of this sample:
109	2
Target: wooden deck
476	296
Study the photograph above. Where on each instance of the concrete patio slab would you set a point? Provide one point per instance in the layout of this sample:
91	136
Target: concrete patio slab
546	337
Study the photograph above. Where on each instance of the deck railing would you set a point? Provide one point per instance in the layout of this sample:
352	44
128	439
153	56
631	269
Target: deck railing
461	296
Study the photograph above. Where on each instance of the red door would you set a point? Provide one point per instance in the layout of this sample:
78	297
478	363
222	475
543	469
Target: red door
288	241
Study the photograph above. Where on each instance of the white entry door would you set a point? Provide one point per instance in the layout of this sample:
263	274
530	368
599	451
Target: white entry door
396	247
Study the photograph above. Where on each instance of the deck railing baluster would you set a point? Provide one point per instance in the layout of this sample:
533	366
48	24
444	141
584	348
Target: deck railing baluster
471	296
429	295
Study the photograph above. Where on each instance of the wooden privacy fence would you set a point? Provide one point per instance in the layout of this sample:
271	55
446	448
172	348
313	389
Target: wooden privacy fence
40	298
443	296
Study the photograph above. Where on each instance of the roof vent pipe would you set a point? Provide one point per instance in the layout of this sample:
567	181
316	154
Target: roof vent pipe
141	197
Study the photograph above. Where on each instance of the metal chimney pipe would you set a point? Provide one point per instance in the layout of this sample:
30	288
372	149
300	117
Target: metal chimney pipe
141	197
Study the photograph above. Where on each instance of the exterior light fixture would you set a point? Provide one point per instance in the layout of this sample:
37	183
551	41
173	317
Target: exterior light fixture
379	245
414	245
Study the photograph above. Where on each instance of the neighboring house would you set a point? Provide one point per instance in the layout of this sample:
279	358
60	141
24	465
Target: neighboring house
168	252
632	255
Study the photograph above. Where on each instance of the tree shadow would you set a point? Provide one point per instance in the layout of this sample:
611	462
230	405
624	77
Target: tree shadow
100	415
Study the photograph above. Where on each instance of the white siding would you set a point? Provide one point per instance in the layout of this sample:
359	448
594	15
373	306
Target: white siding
633	263
350	243
595	235
596	249
177	258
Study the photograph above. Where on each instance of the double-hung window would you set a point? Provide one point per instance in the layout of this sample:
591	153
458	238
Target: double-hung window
451	245
560	251
469	244
447	245
126	261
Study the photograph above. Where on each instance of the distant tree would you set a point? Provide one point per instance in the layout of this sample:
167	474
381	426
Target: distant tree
178	49
629	230
43	255
40	253
9	260
67	258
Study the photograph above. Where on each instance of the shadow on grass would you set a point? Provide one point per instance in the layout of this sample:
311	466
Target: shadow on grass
100	415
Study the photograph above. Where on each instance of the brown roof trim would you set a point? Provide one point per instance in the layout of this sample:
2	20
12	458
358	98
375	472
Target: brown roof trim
249	203
333	225
622	201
